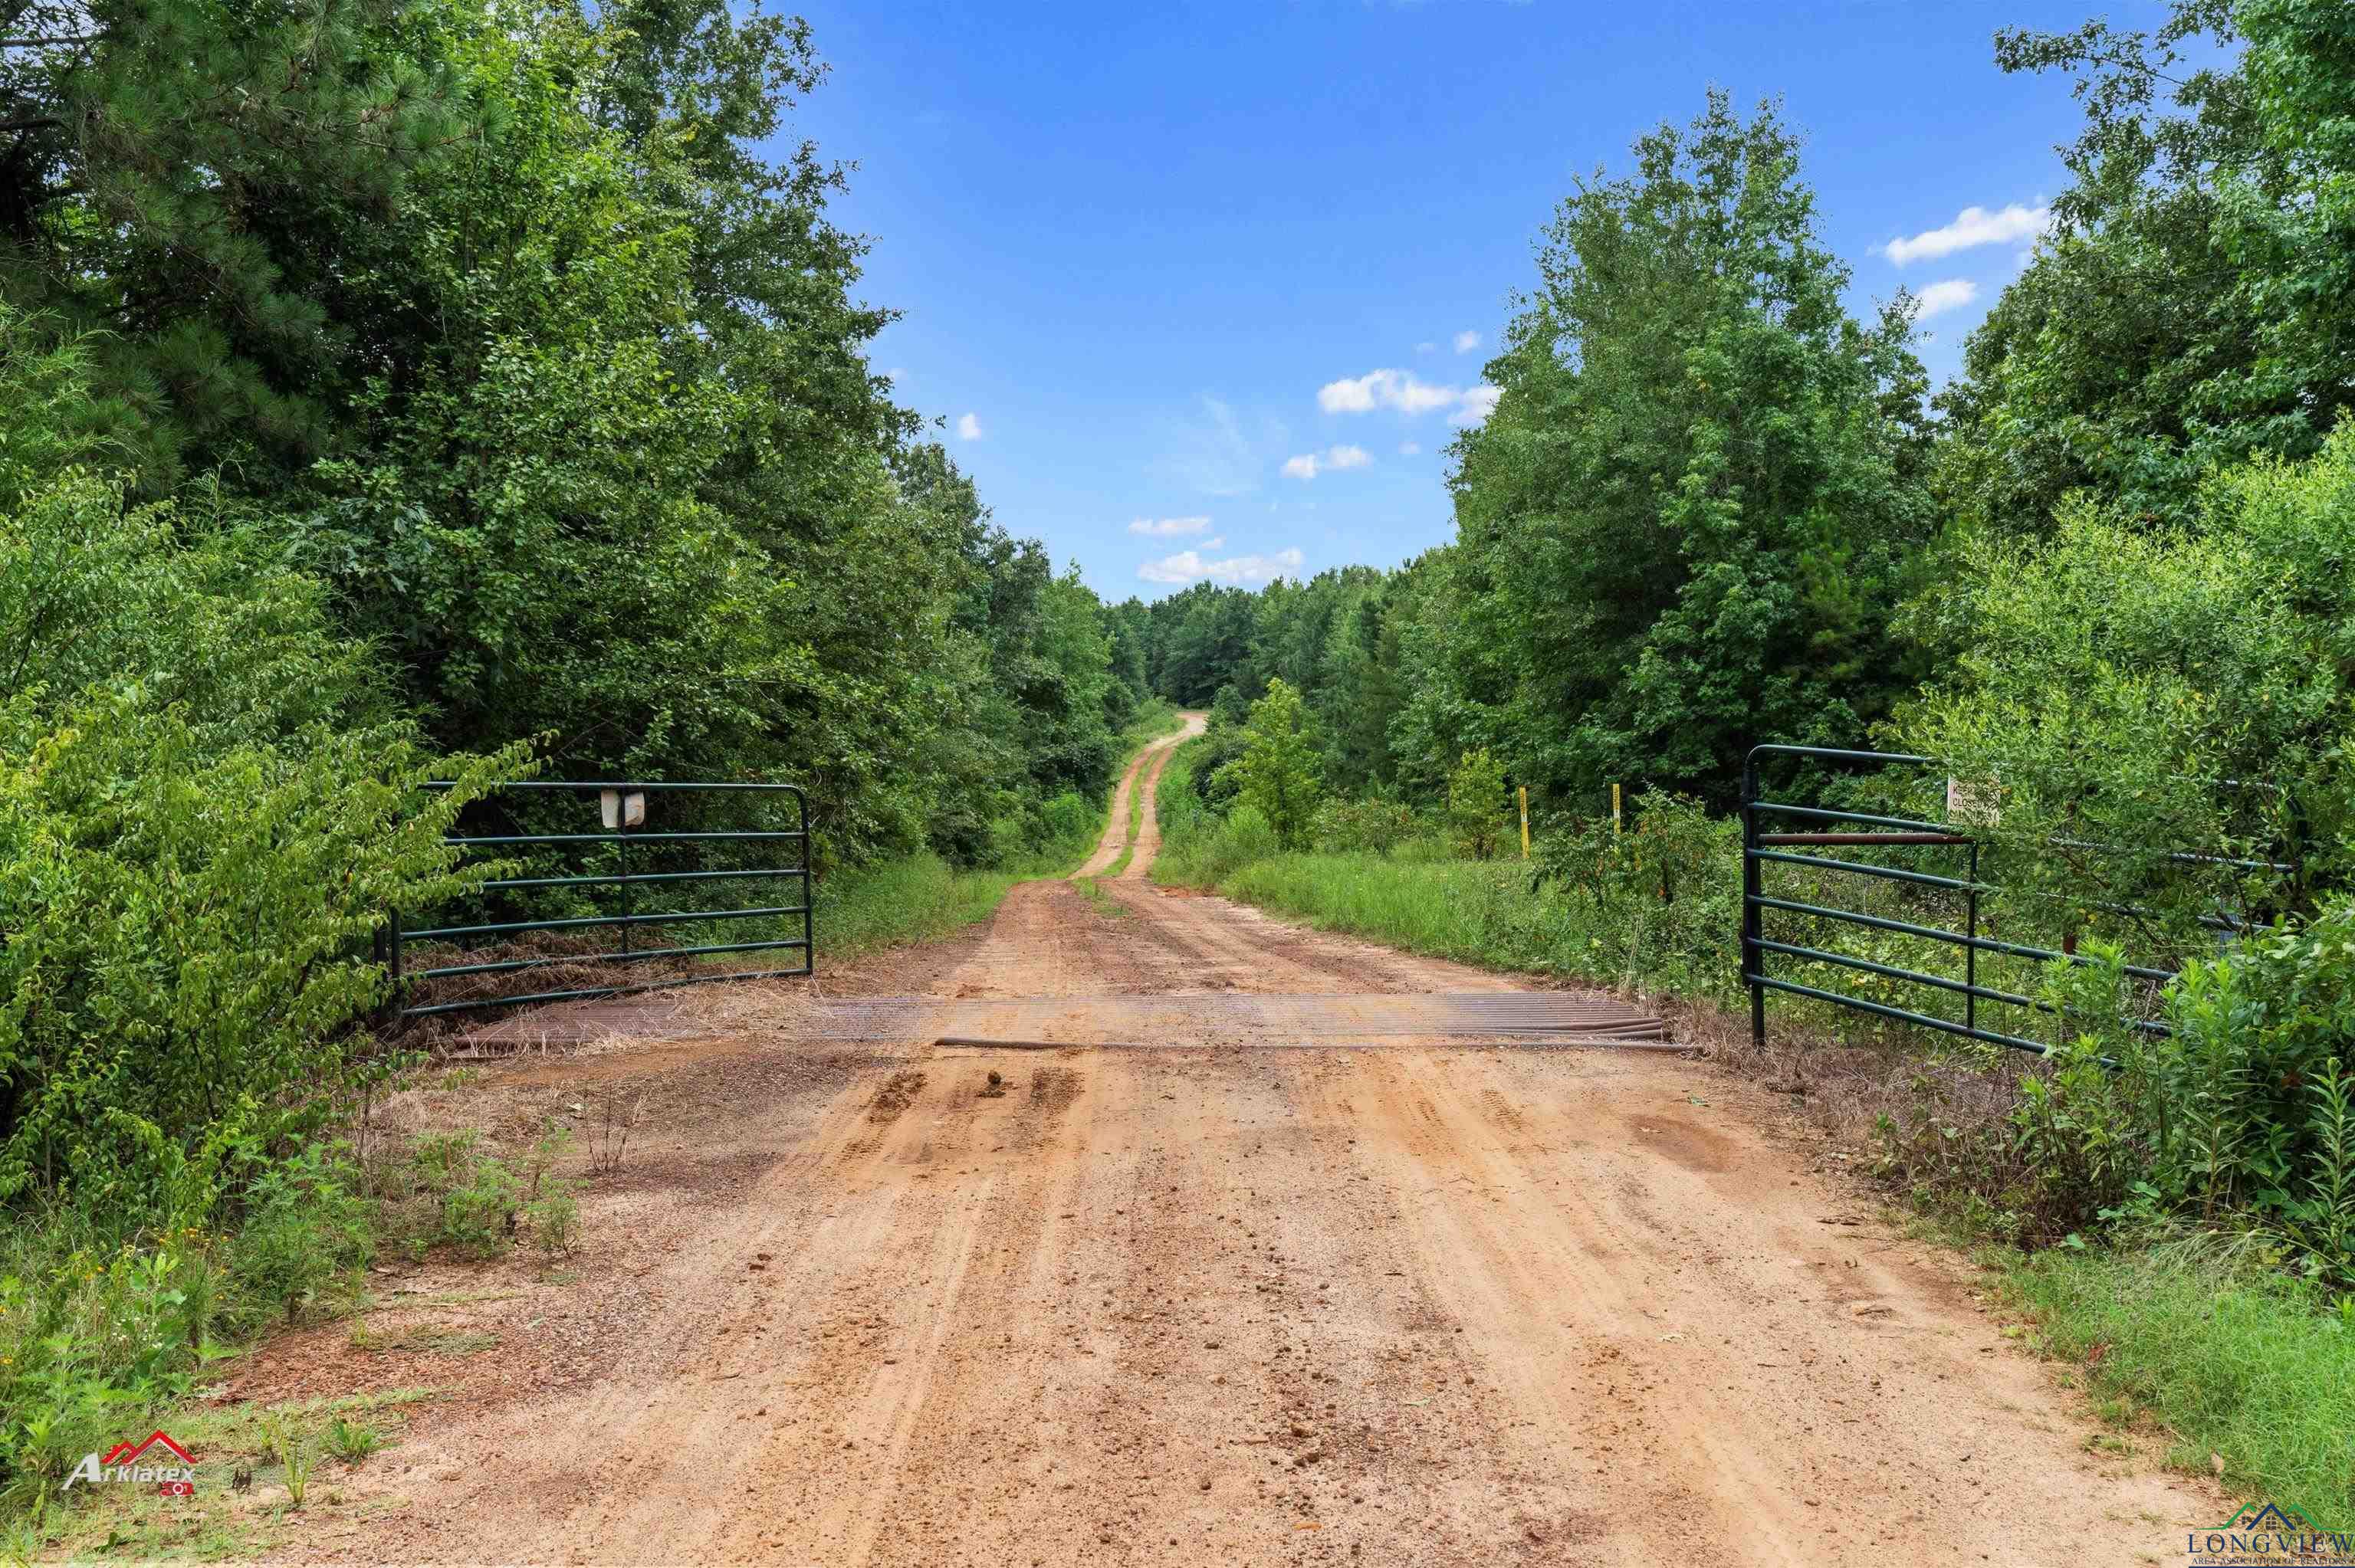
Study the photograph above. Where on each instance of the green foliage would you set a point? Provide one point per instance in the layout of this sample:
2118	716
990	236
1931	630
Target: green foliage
1476	804
2253	1371
2193	309
1346	826
353	1443
1681	529
305	1232
1279	775
2129	695
203	819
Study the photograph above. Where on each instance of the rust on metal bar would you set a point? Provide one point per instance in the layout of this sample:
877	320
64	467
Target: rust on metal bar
1863	839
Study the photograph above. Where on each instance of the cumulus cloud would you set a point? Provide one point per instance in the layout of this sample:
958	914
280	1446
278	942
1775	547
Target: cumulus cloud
1406	392
1190	567
968	426
1467	341
1308	465
1478	403
1974	226
1952	294
1168	527
1399	389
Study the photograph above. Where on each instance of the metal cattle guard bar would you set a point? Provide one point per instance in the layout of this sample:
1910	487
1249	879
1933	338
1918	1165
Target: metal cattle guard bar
622	836
1758	847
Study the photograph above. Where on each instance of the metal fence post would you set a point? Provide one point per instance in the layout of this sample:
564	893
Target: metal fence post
809	922
1753	956
1971	948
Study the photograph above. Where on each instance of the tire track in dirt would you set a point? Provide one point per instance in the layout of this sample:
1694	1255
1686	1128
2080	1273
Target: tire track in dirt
1433	1304
1115	833
1148	819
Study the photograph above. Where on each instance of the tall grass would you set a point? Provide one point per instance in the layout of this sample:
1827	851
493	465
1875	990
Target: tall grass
2247	1371
917	898
922	897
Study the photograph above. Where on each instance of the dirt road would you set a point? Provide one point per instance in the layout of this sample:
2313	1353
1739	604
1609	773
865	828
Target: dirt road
1416	1303
1144	774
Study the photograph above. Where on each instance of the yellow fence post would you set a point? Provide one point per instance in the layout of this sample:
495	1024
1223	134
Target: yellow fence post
1525	821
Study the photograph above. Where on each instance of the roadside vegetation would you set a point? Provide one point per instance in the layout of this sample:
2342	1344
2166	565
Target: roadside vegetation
393	394
390	395
2100	580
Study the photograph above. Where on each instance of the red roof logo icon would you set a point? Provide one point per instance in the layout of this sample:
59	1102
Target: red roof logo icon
128	1452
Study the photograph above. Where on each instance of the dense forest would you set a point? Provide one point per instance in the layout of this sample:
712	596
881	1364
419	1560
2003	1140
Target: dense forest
394	392
1715	508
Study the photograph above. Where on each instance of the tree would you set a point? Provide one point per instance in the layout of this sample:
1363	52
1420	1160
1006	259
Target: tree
2195	304
1681	528
1280	772
1476	803
202	183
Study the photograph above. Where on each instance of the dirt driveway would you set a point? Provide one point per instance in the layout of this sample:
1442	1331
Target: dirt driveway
1407	1301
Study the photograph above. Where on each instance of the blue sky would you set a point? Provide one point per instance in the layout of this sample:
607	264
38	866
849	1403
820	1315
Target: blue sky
1203	291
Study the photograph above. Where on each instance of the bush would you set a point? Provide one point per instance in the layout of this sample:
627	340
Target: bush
1663	899
1476	804
1375	827
305	1229
203	819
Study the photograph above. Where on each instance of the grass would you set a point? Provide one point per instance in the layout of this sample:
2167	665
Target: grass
2247	1371
1104	903
922	897
918	898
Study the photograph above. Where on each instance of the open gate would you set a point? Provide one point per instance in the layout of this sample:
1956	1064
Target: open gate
481	955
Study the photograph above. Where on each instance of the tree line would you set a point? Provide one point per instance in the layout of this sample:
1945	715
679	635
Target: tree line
1714	506
391	391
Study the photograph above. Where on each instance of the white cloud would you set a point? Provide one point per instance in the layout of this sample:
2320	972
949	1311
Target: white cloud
1216	542
1972	227
1399	389
1168	527
1952	294
1409	448
1308	465
1479	402
1406	392
1426	348
1465	342
968	428
1188	565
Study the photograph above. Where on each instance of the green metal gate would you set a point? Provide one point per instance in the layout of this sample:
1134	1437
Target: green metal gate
644	863
1842	828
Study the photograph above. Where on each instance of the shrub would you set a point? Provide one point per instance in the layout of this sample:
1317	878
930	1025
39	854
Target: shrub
1476	804
203	818
305	1227
1664	897
1378	827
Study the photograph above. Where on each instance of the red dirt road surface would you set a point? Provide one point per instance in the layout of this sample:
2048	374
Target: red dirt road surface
1402	1301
